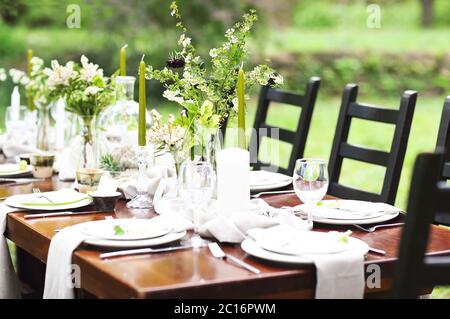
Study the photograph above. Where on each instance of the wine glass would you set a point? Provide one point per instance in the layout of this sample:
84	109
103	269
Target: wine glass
310	182
196	185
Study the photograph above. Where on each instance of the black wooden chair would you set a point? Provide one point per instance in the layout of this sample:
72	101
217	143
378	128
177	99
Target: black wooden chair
443	140
297	138
392	160
428	195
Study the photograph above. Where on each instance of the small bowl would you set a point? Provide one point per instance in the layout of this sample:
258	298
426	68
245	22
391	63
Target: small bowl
42	164
105	201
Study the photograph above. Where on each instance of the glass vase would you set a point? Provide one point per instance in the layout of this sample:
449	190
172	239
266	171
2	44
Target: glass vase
86	147
119	122
43	136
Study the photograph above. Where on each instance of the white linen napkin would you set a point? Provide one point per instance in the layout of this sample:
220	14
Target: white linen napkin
13	145
9	283
339	275
59	271
233	229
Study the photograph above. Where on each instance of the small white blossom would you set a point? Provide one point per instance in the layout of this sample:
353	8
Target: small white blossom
92	90
16	75
184	40
89	70
173	96
213	53
2	75
59	74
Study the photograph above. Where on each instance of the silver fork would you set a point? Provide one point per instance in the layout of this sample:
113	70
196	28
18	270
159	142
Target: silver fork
373	228
39	194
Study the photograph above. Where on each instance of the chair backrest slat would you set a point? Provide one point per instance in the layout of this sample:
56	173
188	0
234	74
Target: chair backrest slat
428	195
392	160
342	191
298	137
364	154
373	113
443	140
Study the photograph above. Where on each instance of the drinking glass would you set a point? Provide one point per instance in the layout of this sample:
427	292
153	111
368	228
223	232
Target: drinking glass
310	182
196	185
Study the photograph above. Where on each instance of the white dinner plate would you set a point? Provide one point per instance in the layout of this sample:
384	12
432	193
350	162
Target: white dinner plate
379	212
301	242
126	229
252	248
64	199
12	170
264	181
168	238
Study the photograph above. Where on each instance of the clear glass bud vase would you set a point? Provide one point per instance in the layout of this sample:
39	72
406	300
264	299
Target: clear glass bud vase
43	128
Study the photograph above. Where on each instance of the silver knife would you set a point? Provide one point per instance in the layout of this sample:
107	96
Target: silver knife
29	216
141	251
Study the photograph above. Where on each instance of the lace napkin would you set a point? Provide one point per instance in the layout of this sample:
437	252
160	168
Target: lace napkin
339	275
9	283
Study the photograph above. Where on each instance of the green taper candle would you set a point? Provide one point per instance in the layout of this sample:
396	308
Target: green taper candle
241	110
123	60
142	104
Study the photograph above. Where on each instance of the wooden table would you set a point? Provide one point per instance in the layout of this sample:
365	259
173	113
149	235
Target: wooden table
186	274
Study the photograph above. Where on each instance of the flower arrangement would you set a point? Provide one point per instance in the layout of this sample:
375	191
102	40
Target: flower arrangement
168	136
35	83
208	92
86	91
120	159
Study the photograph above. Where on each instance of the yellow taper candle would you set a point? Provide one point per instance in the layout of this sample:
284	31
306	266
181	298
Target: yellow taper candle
142	104
30	98
241	110
123	60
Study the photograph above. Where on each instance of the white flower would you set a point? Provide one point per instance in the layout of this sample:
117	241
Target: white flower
213	53
278	79
184	40
59	74
171	119
173	96
235	104
2	75
92	90
36	63
24	80
89	70
16	75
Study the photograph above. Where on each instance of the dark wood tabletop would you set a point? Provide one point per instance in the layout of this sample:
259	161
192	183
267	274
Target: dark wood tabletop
188	274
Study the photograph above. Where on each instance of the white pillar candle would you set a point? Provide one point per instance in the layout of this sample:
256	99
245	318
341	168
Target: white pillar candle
15	104
233	181
60	124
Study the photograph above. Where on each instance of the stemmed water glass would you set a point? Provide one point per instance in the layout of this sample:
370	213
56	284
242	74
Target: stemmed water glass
196	186
310	182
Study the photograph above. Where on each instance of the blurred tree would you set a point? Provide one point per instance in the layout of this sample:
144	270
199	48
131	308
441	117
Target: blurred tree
427	12
11	10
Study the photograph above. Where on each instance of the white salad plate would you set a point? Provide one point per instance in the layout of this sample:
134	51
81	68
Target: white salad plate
12	170
125	229
349	212
264	181
64	199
